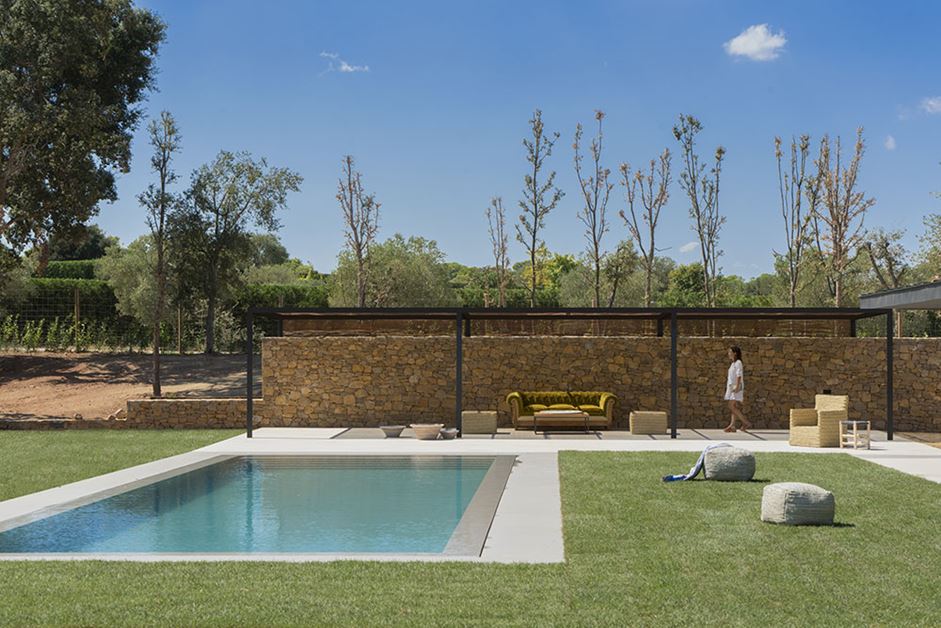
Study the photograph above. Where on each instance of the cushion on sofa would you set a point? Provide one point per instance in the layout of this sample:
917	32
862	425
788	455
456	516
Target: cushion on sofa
591	409
533	408
561	406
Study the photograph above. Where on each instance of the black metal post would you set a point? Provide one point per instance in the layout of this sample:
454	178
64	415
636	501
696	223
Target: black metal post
889	373
659	328
459	373
674	391
250	365
467	327
853	328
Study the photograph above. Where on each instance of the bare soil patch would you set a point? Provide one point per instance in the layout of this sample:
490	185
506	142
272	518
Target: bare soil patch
94	385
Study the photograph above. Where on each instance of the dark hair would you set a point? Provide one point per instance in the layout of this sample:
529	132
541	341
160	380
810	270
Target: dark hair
735	349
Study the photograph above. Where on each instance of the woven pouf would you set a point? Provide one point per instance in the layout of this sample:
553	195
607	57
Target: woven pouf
797	503
729	464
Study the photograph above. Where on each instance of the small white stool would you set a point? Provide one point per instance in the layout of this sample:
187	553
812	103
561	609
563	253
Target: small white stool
855	434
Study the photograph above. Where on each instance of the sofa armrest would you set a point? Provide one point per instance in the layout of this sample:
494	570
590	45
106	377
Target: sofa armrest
803	417
515	401
607	401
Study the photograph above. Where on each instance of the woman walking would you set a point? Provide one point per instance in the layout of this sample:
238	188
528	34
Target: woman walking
735	389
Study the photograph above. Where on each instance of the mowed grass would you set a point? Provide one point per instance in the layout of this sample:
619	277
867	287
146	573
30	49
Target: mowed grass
639	552
31	461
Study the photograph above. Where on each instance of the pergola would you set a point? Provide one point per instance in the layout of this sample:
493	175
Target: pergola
463	320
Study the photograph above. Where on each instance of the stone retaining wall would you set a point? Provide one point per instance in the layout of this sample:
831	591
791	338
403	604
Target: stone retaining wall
367	381
189	413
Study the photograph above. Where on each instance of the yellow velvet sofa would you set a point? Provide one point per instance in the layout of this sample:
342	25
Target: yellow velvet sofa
598	405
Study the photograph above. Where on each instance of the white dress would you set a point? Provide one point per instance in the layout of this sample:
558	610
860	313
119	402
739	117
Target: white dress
736	370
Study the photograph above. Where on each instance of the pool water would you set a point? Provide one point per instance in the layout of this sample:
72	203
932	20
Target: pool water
407	504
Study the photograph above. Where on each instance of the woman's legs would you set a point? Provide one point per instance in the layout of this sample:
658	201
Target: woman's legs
732	411
736	408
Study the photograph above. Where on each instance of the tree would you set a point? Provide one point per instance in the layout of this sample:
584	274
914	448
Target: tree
618	267
702	188
651	191
888	257
931	246
361	217
158	202
71	77
596	190
838	220
80	242
539	198
224	199
267	250
402	273
496	220
130	273
792	187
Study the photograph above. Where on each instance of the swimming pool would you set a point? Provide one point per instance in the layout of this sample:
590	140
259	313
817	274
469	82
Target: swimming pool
284	504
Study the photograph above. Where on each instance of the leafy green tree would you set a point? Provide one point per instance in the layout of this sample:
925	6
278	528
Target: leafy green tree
130	273
402	273
211	229
72	75
80	242
291	272
540	196
267	250
685	288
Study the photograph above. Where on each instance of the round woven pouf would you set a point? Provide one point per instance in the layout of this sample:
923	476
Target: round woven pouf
729	464
797	503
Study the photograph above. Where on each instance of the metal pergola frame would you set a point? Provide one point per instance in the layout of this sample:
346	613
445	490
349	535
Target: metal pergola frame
463	319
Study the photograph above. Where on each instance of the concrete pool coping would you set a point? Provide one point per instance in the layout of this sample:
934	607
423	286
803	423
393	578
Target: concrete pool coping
527	524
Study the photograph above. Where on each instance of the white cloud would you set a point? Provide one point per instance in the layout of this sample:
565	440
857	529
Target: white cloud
757	43
689	247
890	142
931	105
336	64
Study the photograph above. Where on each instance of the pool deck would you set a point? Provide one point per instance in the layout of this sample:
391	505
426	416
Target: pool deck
527	526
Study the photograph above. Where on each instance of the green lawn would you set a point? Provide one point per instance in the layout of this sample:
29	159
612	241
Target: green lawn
639	552
31	461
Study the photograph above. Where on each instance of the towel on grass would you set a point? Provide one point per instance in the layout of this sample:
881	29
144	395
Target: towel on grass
694	471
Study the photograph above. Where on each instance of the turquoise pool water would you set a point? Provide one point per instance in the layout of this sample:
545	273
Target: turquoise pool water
272	504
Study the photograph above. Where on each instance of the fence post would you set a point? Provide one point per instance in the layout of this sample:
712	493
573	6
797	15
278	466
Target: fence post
76	314
179	328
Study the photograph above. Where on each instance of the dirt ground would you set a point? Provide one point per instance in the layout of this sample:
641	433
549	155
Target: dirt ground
42	385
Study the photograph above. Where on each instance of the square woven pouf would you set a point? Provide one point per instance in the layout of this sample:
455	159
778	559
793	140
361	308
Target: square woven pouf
648	422
479	421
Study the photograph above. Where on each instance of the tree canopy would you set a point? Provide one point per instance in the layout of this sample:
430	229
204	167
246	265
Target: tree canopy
72	75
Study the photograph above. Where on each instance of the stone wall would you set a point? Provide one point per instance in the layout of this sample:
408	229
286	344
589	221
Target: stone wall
189	413
365	381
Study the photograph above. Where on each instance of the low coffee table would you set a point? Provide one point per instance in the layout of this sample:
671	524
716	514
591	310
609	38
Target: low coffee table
560	418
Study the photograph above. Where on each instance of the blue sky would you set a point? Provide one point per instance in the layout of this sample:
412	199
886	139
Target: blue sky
436	121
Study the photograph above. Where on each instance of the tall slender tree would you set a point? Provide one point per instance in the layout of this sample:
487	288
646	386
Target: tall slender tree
702	188
647	194
838	220
159	201
540	196
596	189
792	189
496	220
361	220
